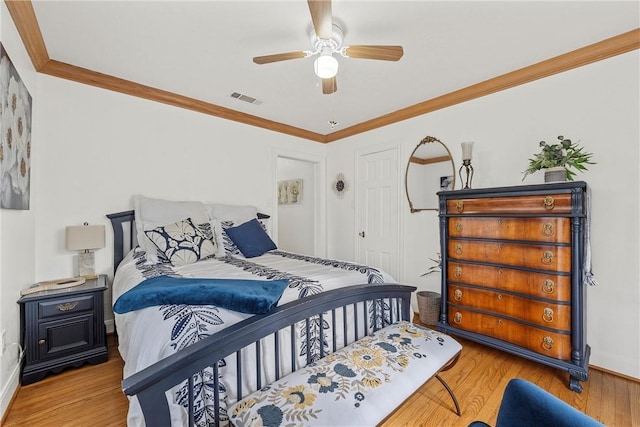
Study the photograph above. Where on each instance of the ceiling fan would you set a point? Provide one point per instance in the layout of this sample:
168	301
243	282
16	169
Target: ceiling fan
326	39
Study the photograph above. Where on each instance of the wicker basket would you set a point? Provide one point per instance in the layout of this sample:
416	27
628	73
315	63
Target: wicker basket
428	307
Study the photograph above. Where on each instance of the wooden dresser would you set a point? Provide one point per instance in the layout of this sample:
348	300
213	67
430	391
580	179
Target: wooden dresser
512	271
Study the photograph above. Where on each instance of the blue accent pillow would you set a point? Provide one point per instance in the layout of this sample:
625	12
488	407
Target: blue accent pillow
251	239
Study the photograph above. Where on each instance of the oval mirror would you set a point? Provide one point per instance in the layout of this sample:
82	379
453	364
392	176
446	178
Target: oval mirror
430	169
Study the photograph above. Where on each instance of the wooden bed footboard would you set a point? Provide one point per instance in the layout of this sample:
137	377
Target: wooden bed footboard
370	308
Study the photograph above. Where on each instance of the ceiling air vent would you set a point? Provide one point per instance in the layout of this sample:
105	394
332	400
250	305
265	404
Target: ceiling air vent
245	98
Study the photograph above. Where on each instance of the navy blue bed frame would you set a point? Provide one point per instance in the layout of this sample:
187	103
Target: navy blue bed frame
151	384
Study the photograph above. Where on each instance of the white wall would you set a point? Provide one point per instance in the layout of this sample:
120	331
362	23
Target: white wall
17	229
296	220
103	147
598	105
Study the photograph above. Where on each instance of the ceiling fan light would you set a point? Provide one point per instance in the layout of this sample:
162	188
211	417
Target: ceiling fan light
326	66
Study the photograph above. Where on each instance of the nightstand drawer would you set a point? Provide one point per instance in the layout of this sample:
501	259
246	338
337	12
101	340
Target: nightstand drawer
65	306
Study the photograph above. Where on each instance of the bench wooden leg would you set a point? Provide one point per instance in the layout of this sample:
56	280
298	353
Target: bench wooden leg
453	396
448	366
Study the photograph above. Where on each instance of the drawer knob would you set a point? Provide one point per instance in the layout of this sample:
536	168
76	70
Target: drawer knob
67	306
547	343
548	229
547	257
458	226
459	205
457	272
41	342
458	249
500	296
548	286
547	315
500	221
457	318
548	203
457	295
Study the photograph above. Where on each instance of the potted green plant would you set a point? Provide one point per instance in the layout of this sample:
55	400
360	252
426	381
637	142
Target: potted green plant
557	160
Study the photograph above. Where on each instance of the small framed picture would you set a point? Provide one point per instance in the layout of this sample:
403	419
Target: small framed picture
446	183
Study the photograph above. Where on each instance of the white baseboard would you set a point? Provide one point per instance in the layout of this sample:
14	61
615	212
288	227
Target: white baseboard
9	389
110	325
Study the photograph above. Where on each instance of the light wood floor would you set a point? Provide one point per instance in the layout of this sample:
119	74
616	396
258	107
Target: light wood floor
91	395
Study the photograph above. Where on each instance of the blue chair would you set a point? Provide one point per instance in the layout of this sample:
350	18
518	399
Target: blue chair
527	405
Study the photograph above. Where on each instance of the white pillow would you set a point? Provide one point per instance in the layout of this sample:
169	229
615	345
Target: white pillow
183	242
151	213
236	213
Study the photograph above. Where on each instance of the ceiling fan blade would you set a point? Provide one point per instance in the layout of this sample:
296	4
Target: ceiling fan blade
321	17
384	53
279	57
329	86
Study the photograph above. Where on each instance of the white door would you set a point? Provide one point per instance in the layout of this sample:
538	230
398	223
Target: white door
378	210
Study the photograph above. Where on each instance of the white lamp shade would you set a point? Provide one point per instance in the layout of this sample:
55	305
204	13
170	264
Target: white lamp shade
85	237
326	66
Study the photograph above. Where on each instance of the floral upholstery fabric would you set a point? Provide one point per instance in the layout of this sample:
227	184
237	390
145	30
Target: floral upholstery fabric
357	385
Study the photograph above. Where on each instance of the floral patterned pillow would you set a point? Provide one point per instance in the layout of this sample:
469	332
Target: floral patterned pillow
183	242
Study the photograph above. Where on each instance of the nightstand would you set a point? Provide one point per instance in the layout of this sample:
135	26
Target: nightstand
62	328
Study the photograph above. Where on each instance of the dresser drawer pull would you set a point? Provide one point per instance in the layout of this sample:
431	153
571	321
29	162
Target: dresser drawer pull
41	342
547	229
458	249
458	226
548	286
457	295
548	203
547	343
500	221
67	306
547	315
458	272
457	318
547	257
500	296
459	205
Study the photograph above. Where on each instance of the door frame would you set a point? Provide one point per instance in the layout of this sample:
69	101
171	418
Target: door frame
397	147
320	197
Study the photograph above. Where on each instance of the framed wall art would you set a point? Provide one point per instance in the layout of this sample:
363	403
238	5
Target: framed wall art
15	137
290	191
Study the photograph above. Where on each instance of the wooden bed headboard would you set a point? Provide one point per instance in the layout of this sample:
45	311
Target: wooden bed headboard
122	222
124	234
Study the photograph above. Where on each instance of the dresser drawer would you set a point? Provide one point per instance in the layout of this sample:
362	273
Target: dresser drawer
555	345
556	316
65	306
536	204
543	257
542	285
553	229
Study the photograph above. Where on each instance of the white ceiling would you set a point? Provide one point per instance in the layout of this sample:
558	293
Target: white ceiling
204	49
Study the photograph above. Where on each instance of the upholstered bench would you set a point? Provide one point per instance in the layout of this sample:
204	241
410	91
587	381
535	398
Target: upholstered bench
360	384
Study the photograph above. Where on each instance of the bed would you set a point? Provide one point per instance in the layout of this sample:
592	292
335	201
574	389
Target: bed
154	335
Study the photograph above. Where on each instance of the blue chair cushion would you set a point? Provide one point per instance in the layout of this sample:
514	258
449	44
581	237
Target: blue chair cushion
526	405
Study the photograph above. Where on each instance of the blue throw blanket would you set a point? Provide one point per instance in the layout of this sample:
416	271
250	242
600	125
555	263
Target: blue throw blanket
246	296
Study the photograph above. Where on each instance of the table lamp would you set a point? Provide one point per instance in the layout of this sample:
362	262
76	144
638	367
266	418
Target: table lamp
85	238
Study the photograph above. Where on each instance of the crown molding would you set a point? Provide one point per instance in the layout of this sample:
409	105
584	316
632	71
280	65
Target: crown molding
26	22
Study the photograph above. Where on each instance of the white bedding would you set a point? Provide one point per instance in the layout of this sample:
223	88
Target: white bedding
148	335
